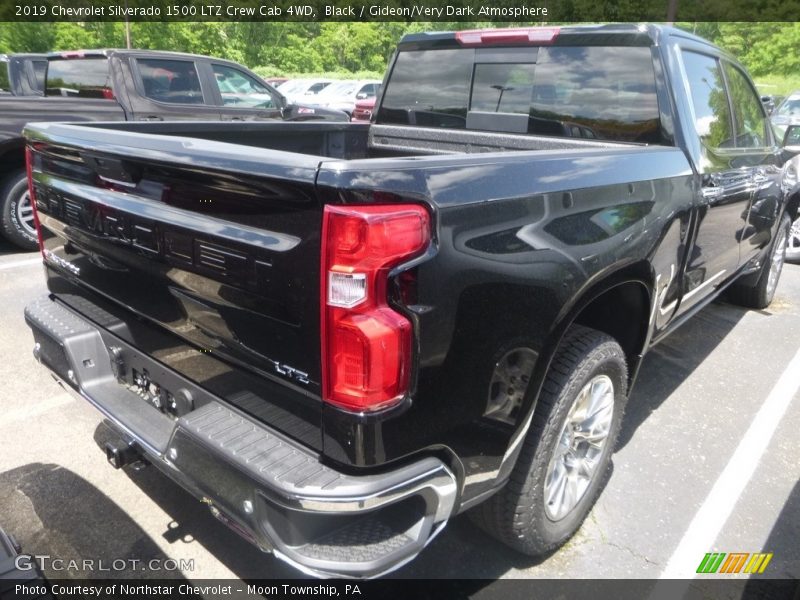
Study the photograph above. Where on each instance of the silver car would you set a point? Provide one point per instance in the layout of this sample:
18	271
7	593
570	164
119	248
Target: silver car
787	113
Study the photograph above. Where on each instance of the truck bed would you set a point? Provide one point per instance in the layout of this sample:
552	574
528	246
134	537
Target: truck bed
354	140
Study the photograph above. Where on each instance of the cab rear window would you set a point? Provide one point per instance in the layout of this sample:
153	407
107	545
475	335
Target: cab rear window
79	77
593	92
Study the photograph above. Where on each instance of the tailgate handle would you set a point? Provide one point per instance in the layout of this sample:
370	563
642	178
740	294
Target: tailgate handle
113	170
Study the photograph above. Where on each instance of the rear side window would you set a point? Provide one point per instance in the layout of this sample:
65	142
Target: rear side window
171	81
606	93
80	77
712	115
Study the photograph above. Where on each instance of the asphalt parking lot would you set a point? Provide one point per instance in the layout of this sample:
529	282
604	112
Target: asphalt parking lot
707	462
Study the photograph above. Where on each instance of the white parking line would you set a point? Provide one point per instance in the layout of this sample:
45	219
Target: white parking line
22	263
720	502
14	416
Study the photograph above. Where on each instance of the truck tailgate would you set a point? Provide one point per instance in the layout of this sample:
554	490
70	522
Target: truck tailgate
214	245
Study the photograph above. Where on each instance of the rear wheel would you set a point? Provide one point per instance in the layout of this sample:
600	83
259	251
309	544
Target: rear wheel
16	212
759	294
567	451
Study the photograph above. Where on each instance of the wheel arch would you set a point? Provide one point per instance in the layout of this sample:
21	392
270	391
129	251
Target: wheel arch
608	303
620	299
793	205
12	157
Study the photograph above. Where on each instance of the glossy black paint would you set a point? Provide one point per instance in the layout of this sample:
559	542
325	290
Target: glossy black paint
615	236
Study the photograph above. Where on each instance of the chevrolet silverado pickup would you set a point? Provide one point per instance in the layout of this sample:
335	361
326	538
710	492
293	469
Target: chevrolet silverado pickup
340	335
125	85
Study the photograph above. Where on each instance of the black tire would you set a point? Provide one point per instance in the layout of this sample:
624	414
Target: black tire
517	514
758	292
12	194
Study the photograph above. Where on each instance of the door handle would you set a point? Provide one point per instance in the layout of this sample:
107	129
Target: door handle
151	118
235	119
711	192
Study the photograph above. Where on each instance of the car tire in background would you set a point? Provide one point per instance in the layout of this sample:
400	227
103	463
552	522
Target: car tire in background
566	454
16	212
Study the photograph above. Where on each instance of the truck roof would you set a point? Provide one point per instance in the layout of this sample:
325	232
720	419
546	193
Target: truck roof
22	55
106	52
621	34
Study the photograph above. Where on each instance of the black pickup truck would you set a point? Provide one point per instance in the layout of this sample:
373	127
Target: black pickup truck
127	85
22	74
339	336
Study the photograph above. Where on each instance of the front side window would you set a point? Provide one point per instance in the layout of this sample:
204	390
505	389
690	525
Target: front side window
80	77
711	110
240	90
170	81
748	113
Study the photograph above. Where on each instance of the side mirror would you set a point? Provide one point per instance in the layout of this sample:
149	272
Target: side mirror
791	138
791	142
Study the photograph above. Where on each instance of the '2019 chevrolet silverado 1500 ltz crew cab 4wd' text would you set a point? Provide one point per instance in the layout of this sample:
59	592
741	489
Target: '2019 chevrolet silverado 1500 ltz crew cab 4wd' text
341	335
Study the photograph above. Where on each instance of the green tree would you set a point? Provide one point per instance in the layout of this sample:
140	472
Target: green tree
26	37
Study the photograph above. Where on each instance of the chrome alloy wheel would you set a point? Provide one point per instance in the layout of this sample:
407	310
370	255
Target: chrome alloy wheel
510	379
776	265
579	448
25	214
793	244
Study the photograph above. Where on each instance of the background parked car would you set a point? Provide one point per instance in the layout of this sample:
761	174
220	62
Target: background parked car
303	90
276	81
362	113
787	113
129	85
343	95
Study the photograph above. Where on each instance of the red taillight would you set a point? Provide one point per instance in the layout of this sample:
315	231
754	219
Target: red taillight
366	345
528	35
108	93
32	194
